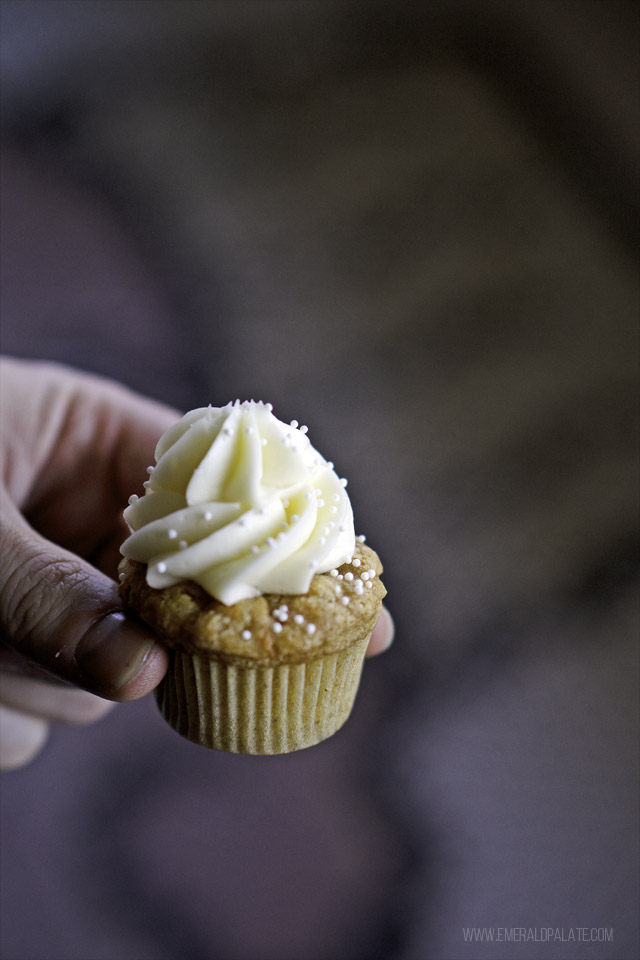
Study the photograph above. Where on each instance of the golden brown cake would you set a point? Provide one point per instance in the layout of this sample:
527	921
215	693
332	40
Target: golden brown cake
243	559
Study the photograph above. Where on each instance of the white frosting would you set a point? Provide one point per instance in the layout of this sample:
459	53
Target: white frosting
242	504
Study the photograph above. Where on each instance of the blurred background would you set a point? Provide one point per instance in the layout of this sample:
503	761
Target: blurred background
412	226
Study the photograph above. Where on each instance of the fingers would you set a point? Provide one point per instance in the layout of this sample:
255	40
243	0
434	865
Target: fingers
21	738
62	614
52	702
382	636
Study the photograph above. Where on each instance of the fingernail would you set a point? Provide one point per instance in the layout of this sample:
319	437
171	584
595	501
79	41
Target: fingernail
389	628
383	633
112	652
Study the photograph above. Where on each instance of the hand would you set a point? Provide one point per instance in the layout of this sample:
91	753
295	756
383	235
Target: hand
74	447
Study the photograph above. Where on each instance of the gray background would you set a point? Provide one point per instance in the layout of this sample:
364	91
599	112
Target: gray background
413	227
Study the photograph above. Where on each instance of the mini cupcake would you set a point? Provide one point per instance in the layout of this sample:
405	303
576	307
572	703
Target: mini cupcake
243	559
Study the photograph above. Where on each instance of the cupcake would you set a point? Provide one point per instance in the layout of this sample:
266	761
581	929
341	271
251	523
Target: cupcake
243	559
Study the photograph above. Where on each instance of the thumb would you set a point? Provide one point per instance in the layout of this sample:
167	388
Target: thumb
59	612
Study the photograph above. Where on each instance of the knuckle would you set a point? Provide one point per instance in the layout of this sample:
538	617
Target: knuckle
35	588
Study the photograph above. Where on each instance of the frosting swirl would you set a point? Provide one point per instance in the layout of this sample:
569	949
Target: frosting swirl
242	504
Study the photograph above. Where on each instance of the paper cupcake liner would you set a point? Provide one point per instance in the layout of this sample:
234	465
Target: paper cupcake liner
260	710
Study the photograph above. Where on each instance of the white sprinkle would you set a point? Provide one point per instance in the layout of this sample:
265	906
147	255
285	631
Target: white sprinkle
298	618
207	515
335	496
284	526
333	509
372	573
348	576
133	498
320	503
340	576
56	655
369	584
182	544
364	576
356	562
283	606
333	573
341	528
359	587
271	542
269	407
344	481
294	424
294	518
281	535
146	484
304	429
161	567
277	628
361	538
308	495
172	534
246	634
344	600
263	441
150	469
122	576
311	629
248	431
325	531
330	464
322	541
255	549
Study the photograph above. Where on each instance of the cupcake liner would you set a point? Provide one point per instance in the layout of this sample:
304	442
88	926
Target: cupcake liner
256	709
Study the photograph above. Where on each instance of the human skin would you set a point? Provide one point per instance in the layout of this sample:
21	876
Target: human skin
73	447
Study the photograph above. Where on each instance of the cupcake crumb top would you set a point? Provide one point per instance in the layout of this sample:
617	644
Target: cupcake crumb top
336	611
